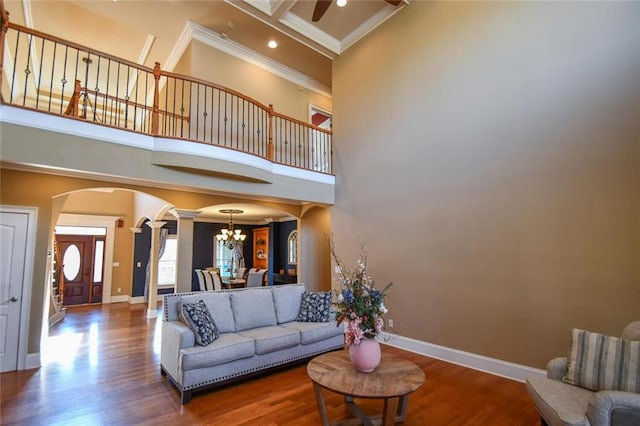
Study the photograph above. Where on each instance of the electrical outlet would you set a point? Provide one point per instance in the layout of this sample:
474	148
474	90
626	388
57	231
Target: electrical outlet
390	322
119	290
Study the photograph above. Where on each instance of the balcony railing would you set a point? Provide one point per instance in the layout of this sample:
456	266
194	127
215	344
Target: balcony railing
47	74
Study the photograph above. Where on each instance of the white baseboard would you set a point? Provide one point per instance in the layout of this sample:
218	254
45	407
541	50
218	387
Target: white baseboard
119	298
466	359
32	361
137	299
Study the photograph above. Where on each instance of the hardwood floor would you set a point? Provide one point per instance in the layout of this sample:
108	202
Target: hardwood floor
101	365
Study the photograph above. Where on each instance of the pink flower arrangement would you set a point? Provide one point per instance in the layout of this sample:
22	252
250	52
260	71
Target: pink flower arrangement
358	303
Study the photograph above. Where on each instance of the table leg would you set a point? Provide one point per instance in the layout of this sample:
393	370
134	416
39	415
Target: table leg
324	418
389	411
356	411
402	408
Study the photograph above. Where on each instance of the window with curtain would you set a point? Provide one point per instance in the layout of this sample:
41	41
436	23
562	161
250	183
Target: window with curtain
222	258
167	263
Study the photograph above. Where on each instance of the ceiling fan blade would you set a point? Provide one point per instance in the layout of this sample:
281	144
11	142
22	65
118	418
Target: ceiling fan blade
394	2
320	9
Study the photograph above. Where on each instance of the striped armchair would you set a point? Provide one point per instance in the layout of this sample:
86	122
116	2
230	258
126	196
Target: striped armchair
597	384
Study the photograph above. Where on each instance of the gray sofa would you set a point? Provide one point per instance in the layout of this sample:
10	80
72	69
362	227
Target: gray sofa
562	404
257	329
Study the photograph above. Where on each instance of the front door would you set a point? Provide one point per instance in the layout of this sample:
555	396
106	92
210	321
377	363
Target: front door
81	268
13	244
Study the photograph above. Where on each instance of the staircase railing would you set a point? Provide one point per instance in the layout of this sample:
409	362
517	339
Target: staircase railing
51	75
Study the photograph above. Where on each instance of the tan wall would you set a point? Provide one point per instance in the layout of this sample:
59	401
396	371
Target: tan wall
116	203
491	166
314	264
287	98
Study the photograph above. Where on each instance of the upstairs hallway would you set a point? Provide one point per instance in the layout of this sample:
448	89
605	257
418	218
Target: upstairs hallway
172	128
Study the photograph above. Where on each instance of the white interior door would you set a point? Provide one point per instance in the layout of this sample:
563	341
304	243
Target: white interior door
13	246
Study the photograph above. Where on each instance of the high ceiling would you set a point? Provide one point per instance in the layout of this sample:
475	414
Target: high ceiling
147	31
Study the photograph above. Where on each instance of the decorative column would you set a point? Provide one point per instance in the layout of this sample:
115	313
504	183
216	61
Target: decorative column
152	305
184	261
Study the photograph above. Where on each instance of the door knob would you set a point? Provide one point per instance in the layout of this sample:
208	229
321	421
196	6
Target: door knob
13	299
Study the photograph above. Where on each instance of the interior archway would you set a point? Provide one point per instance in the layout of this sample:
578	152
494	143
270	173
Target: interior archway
119	211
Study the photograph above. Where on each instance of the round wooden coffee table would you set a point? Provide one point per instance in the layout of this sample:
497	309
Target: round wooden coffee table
393	380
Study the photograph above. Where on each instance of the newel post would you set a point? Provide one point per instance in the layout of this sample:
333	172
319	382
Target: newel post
4	27
155	115
270	150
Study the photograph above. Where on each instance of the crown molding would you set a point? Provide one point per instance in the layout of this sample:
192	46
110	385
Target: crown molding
301	26
215	40
263	6
369	25
193	31
280	8
178	49
28	15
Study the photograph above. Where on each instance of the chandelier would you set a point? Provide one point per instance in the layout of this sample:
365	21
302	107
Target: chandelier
231	237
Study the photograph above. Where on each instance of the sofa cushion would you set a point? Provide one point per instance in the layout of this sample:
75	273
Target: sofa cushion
559	403
197	317
311	332
315	306
273	338
227	348
219	306
286	299
253	308
600	362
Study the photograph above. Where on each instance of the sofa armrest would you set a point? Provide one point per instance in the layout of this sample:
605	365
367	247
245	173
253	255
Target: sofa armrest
614	408
175	336
557	368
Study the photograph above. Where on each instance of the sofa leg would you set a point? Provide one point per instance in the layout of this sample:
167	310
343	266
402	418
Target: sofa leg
185	396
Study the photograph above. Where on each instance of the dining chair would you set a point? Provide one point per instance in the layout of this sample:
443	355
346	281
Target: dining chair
201	280
217	282
254	279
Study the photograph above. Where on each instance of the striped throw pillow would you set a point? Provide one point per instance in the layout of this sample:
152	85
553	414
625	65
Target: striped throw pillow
599	362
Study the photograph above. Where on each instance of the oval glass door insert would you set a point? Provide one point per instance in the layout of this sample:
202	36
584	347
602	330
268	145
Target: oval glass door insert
71	262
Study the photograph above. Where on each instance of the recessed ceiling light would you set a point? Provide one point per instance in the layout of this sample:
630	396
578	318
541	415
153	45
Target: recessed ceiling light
272	44
341	3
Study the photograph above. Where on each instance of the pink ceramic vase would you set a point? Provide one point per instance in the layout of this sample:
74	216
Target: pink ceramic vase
366	355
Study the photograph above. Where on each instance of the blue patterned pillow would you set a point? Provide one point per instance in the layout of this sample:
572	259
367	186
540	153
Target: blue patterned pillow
199	319
315	307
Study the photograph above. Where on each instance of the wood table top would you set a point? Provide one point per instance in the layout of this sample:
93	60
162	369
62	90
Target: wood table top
395	376
233	282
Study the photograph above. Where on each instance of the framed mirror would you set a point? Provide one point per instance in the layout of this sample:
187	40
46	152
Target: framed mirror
292	247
